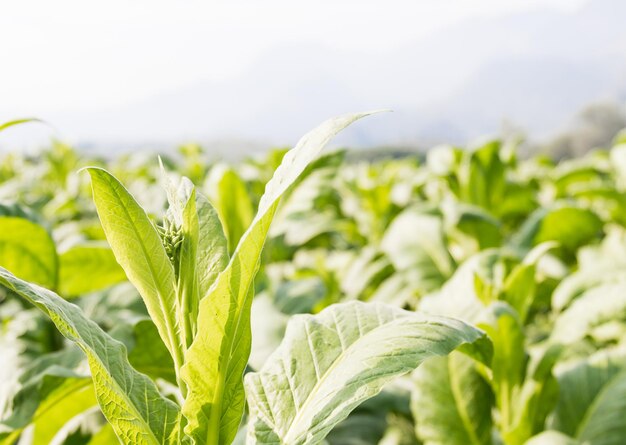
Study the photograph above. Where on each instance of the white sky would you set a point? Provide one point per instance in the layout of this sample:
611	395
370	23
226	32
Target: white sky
76	54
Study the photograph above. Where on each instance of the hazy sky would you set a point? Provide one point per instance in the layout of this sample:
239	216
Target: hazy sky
80	55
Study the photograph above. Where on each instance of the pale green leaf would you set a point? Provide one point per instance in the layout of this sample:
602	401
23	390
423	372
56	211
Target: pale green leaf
415	243
147	353
570	226
451	402
47	382
593	308
212	255
509	361
603	423
329	363
88	268
139	250
8	124
129	400
77	401
592	398
552	438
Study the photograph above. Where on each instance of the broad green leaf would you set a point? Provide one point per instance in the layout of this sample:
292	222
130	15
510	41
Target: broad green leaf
212	250
459	296
28	251
570	226
451	402
592	396
87	268
49	423
215	362
329	363
130	401
603	423
138	249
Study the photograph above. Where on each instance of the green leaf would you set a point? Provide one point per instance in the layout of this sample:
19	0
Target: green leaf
415	243
187	287
148	354
570	226
603	423
203	251
215	362
509	361
129	400
48	423
482	175
472	222
459	296
329	363
139	250
520	289
451	402
229	195
28	251
536	398
8	124
212	251
48	382
88	268
592	398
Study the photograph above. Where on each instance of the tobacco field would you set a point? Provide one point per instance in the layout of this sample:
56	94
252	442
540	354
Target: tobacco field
468	296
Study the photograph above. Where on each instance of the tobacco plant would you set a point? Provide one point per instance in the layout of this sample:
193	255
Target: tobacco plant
195	275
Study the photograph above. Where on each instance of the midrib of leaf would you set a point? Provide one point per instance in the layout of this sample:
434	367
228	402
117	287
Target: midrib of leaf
344	351
456	393
175	349
596	401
